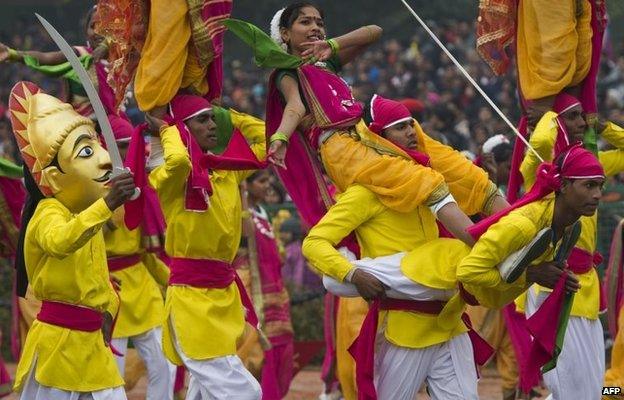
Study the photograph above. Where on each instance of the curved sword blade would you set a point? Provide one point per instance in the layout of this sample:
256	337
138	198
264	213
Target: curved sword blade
96	103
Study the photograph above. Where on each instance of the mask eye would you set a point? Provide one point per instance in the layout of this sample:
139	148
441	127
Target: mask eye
85	152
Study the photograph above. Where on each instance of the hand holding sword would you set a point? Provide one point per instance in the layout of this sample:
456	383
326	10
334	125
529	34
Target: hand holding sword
98	108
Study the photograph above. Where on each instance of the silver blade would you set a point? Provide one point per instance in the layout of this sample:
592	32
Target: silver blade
96	103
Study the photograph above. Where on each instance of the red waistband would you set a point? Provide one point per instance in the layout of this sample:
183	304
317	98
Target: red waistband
210	274
582	261
122	262
201	273
70	316
426	307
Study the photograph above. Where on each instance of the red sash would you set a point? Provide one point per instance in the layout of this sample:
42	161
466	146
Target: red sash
123	262
212	274
70	316
581	261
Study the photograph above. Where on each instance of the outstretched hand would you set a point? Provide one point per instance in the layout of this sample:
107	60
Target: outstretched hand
318	50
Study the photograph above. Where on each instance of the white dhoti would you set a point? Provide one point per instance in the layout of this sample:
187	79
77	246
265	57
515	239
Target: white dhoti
160	372
32	390
218	378
448	368
388	270
580	367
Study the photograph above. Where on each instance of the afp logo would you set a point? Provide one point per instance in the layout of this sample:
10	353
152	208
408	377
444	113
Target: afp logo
611	390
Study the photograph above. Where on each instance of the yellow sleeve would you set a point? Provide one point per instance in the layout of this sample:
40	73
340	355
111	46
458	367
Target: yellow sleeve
156	268
469	184
612	160
172	174
60	234
353	208
508	235
253	129
614	135
543	141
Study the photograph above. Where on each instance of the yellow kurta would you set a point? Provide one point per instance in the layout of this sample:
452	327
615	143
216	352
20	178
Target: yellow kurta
553	45
195	313
66	262
380	231
587	299
142	305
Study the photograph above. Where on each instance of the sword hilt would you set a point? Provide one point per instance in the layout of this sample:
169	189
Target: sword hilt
118	171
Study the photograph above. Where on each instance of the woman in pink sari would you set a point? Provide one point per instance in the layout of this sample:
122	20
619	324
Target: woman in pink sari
311	110
277	372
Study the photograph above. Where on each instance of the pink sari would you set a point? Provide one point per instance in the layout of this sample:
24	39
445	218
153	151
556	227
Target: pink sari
277	372
331	105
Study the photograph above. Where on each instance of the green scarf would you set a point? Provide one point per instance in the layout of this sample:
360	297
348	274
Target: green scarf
225	128
267	53
10	170
62	70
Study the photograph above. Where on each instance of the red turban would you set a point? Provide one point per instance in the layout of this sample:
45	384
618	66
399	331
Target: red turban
573	163
386	112
186	106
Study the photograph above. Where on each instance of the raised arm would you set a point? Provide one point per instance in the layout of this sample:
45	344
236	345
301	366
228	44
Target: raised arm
172	174
347	46
543	141
44	58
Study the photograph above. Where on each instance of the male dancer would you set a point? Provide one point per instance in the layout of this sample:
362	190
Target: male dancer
66	354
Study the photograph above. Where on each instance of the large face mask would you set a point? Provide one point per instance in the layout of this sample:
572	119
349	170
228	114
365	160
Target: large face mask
83	171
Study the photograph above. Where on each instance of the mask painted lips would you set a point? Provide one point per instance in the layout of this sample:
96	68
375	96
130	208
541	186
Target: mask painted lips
104	178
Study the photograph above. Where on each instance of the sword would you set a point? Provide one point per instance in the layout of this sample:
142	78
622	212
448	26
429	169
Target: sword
96	103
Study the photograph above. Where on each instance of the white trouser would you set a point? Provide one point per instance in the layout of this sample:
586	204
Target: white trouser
388	270
218	378
448	368
580	367
32	390
160	372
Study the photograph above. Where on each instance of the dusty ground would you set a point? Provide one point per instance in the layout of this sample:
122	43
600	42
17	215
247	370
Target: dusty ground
307	386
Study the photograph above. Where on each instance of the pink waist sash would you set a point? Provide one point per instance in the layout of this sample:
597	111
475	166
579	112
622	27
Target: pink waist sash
363	348
582	261
210	274
70	316
123	262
